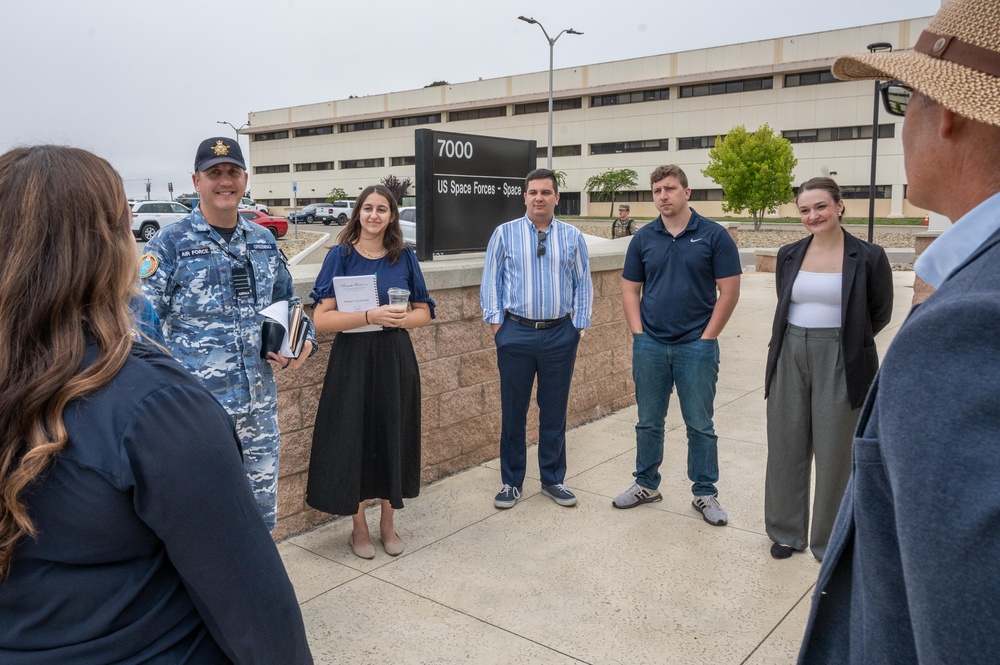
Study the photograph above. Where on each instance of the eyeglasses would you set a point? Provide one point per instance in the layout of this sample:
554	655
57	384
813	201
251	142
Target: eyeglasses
542	235
896	97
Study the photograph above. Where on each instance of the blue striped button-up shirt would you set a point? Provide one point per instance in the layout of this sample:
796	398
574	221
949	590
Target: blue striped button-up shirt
519	281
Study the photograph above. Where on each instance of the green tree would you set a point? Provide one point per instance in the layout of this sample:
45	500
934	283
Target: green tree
609	184
754	170
560	179
336	194
397	187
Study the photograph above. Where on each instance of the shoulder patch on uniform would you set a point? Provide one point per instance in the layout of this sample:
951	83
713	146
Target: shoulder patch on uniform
148	263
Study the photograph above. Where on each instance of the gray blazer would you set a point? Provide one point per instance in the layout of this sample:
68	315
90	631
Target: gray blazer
912	574
867	306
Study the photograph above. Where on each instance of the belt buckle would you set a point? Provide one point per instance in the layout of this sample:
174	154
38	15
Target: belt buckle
537	325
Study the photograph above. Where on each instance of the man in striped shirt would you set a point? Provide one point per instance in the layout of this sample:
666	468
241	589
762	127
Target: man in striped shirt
537	295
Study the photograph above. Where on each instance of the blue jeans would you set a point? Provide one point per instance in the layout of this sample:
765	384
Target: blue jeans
694	368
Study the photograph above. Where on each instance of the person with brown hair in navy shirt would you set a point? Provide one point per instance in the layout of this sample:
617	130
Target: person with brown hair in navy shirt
680	285
128	532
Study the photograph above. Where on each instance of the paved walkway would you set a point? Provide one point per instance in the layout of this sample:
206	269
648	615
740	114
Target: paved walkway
591	584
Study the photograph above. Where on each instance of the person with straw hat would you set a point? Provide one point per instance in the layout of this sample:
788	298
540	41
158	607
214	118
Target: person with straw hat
910	572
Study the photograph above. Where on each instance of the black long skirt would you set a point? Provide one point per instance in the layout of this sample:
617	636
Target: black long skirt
366	440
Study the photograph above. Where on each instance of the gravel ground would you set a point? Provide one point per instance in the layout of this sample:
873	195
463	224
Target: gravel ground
770	238
291	247
748	238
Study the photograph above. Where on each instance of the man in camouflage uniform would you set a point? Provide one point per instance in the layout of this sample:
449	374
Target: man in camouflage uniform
207	277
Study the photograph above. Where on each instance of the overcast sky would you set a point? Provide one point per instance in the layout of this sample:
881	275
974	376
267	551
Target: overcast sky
142	82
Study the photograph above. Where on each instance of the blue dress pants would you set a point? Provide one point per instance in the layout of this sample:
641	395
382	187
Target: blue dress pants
522	354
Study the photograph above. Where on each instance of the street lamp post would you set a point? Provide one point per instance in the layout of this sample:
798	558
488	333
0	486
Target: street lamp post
552	42
875	46
235	128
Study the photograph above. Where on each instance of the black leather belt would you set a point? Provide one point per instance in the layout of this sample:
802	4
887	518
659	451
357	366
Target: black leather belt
537	324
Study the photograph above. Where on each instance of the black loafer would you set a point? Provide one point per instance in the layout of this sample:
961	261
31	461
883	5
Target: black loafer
779	551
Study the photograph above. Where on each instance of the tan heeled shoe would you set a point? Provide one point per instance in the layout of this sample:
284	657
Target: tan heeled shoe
392	549
362	550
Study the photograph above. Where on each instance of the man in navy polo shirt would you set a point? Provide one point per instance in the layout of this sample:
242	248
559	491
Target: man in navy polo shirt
680	285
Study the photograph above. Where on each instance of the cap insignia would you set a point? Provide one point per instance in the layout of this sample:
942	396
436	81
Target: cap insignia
220	149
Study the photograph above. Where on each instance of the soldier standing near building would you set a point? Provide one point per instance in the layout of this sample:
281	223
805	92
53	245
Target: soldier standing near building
207	277
624	225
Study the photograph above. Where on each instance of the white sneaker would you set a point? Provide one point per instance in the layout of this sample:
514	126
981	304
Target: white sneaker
636	496
710	509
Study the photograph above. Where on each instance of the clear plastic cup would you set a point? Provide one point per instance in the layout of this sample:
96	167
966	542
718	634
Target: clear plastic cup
398	299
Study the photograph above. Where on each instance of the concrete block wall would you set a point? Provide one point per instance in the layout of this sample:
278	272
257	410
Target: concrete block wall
921	289
460	391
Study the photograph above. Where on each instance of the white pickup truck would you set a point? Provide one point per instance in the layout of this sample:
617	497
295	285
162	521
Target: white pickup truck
341	211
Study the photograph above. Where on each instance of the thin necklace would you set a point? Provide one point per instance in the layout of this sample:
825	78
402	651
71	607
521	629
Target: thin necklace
369	255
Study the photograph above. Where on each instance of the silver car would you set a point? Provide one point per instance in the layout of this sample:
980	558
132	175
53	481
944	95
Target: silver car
408	224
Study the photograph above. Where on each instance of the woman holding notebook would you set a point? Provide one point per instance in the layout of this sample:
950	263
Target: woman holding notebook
366	440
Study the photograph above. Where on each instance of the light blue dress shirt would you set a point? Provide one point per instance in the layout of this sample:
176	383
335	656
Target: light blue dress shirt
519	281
958	243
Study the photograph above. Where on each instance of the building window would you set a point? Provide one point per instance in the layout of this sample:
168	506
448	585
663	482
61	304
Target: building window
838	133
407	160
726	87
362	126
696	142
275	168
861	192
275	202
416	120
642	196
271	136
362	163
314	131
810	78
475	114
308	201
543	107
653	145
630	97
315	166
705	195
560	151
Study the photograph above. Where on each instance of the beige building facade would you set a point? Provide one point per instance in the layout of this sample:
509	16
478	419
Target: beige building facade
638	114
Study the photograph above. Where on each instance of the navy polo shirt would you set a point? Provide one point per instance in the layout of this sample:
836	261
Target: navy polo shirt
678	276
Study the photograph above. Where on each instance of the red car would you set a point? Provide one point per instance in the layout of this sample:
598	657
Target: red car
278	226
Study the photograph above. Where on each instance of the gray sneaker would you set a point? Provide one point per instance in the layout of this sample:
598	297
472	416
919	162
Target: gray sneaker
636	496
710	509
560	494
507	497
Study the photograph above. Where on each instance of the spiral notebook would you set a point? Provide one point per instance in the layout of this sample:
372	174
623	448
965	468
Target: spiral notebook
357	294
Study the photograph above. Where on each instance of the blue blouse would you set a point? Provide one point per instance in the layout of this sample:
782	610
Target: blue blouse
405	273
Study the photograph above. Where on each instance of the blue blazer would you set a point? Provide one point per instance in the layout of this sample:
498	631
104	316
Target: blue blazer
912	573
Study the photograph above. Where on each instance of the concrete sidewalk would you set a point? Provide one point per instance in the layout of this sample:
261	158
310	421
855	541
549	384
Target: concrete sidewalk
590	584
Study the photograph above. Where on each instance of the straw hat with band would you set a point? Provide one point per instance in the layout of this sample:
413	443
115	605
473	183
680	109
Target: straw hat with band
956	60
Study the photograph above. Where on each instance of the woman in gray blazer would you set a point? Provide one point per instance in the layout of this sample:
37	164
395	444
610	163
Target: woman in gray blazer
834	296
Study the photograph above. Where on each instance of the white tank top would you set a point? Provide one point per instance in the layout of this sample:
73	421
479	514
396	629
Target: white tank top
816	300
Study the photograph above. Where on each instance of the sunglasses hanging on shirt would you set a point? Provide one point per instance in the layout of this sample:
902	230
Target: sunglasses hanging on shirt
542	235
